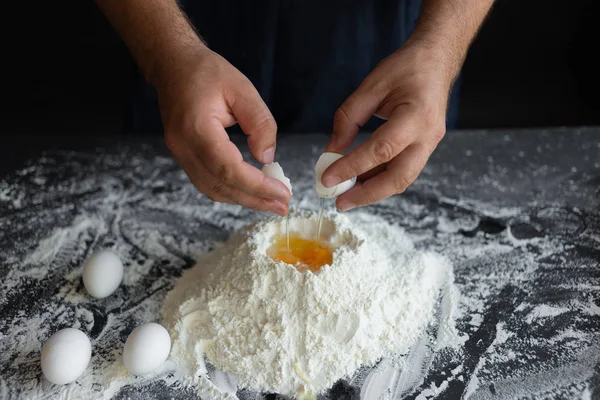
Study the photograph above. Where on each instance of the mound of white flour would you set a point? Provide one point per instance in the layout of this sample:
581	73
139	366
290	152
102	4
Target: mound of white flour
280	330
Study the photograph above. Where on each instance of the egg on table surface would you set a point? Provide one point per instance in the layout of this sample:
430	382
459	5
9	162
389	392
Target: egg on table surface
146	348
274	170
65	356
102	274
322	164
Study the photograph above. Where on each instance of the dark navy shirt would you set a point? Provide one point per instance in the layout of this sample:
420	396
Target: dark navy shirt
304	56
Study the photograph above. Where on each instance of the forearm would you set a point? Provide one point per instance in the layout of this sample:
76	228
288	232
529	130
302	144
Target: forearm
448	27
156	32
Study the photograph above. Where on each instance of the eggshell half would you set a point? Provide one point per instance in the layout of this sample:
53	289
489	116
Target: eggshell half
274	170
322	164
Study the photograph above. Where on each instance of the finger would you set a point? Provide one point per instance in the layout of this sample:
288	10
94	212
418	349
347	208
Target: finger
371	173
259	204
227	194
236	196
197	174
224	161
218	192
385	144
256	121
354	113
399	174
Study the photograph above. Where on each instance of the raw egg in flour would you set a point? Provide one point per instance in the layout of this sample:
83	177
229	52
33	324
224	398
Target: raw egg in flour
304	254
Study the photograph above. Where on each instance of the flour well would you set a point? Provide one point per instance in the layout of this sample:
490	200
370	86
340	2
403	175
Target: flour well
280	330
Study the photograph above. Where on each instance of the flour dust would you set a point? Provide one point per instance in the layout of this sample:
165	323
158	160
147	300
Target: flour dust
523	243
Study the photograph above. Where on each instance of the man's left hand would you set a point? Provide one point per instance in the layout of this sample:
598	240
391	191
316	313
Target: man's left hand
410	90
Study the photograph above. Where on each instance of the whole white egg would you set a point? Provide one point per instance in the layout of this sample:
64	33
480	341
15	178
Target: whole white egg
274	170
146	348
102	274
65	356
322	164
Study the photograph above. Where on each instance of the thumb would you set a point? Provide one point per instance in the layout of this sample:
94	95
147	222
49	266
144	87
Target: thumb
256	121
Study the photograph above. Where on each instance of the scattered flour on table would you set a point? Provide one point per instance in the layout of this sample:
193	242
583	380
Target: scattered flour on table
280	330
545	311
54	213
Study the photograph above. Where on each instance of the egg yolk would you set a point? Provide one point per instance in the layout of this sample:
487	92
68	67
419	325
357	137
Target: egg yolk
304	254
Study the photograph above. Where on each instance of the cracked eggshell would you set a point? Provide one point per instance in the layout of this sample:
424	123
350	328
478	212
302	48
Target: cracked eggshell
323	163
274	170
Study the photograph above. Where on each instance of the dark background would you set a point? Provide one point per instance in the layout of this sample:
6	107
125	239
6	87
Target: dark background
534	64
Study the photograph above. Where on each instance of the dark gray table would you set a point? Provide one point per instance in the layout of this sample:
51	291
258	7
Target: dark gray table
516	211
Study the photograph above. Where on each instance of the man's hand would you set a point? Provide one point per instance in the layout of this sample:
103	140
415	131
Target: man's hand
200	95
410	90
205	96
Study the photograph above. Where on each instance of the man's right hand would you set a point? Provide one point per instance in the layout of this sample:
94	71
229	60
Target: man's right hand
200	95
199	98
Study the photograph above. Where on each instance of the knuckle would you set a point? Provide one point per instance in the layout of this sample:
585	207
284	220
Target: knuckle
431	114
352	167
266	124
382	63
226	173
384	150
254	203
369	198
171	141
342	122
193	125
260	205
381	86
219	190
402	182
260	187
341	115
190	124
439	133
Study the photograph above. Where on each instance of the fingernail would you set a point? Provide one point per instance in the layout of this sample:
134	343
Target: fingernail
268	156
330	181
346	206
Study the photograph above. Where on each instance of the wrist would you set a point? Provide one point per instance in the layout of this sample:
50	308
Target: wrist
157	33
441	51
170	61
446	29
435	63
